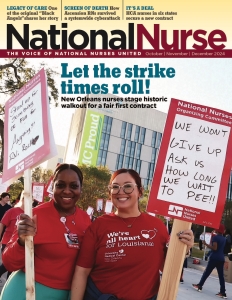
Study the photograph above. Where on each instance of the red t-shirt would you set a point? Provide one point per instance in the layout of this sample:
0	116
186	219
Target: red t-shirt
125	261
9	220
54	258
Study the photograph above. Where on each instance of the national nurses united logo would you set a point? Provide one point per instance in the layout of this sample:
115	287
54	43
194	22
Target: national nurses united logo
149	234
175	210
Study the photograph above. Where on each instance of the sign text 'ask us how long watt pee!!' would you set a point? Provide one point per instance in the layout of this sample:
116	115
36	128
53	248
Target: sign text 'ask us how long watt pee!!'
194	164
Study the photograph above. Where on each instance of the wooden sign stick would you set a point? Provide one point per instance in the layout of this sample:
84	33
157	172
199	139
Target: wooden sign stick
173	263
29	246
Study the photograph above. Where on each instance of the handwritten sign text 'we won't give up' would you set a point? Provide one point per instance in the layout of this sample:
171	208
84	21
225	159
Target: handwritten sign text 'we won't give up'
194	163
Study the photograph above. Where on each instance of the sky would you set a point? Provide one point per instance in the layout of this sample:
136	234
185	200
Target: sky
202	81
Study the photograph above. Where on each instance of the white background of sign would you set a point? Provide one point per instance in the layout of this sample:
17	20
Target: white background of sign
212	164
26	116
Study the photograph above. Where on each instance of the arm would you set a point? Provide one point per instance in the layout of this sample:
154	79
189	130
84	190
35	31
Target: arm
4	222
13	256
187	254
187	238
1	229
79	282
212	247
228	237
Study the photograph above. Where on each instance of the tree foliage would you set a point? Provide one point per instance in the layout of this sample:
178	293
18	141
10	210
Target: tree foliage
15	189
228	215
143	201
96	180
38	175
41	175
14	73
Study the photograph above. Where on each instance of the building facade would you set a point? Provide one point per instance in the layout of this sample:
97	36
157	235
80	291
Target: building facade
229	191
118	138
58	159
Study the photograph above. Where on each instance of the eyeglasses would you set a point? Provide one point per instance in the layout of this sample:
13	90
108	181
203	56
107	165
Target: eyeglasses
127	188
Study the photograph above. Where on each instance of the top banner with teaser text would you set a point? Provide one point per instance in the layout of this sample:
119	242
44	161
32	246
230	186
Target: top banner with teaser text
122	29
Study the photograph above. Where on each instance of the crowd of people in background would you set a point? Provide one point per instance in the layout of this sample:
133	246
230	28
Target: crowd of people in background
4	206
66	239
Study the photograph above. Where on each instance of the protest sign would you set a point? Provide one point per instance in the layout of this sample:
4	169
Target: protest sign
28	141
28	138
3	186
38	191
108	206
90	211
99	205
206	237
190	180
48	191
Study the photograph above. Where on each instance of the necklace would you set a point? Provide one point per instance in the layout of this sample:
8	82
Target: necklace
67	215
129	225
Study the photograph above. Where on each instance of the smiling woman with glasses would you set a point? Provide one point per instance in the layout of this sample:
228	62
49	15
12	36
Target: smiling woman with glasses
126	246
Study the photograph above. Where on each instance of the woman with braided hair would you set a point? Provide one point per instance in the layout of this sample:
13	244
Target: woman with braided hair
58	227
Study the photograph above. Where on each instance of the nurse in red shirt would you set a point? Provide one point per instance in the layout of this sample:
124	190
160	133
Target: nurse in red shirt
58	227
122	253
8	223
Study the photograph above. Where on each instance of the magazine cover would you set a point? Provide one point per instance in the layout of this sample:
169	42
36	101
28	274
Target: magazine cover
113	70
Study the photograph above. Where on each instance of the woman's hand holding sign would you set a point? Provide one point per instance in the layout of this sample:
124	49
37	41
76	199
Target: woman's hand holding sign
26	226
187	238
